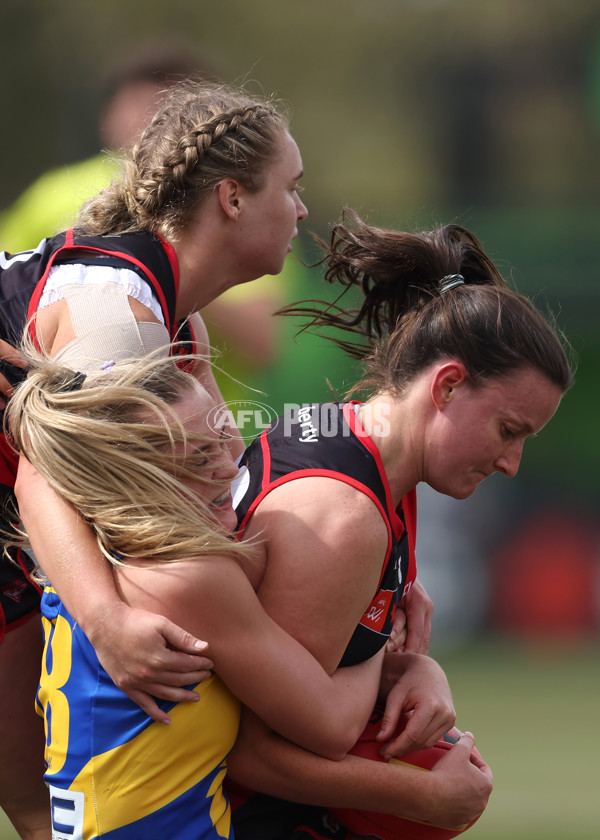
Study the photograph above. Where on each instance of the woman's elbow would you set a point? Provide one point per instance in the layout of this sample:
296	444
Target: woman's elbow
340	740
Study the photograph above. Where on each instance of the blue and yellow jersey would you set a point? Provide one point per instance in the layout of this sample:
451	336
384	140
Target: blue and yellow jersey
112	771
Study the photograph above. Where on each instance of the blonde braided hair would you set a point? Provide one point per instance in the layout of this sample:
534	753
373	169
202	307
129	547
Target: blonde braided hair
203	134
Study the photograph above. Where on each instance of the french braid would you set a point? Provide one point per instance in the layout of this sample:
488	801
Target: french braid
203	134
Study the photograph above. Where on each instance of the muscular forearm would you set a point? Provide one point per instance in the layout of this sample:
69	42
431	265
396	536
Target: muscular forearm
266	763
449	797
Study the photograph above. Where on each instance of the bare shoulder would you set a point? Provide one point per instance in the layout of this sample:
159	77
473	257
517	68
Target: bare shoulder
173	588
53	325
209	597
329	505
326	545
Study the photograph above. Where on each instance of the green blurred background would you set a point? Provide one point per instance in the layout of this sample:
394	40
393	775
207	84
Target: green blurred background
419	112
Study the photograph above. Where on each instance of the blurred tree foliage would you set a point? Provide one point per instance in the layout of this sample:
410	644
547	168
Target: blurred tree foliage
412	111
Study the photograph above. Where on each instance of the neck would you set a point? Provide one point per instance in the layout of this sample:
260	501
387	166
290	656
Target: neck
208	265
202	278
393	425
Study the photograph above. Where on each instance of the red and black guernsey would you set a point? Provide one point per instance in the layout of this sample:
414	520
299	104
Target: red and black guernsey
22	280
328	440
24	275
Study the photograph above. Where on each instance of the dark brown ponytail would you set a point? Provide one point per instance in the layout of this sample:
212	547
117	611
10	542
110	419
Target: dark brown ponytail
425	296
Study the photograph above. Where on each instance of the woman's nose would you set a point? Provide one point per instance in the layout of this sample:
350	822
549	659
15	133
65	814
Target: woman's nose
225	469
302	210
508	463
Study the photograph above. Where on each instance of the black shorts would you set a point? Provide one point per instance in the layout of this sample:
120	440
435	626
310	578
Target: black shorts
266	818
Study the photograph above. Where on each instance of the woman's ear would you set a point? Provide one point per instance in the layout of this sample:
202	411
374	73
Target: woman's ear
447	377
229	194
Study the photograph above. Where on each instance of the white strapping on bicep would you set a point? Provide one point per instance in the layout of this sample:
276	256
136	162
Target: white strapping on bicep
105	328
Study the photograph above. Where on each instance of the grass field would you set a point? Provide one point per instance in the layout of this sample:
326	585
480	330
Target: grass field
535	713
536	717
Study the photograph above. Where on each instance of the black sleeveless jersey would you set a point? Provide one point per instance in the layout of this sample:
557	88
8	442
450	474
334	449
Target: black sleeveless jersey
328	440
24	275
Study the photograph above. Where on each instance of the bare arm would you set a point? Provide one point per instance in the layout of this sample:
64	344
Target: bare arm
262	665
326	544
264	762
453	794
146	655
9	354
136	647
321	573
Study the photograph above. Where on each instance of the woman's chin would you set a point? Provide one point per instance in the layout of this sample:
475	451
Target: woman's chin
226	517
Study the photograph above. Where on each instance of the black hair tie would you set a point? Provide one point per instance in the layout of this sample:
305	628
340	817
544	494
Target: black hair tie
451	281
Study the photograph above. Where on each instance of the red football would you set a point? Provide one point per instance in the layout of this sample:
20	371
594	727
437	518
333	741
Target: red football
389	827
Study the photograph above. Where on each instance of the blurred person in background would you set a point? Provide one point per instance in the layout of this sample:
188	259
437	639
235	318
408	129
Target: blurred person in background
131	95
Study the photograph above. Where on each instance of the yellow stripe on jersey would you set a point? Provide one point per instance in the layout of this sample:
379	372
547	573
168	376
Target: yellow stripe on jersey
220	812
51	683
125	782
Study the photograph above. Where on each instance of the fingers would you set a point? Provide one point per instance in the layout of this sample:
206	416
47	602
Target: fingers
397	747
466	744
11	355
158	678
146	700
398	635
154	660
422	730
397	642
462	789
476	759
179	639
173	667
5	388
417	641
392	716
149	705
174	694
419	609
422	691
